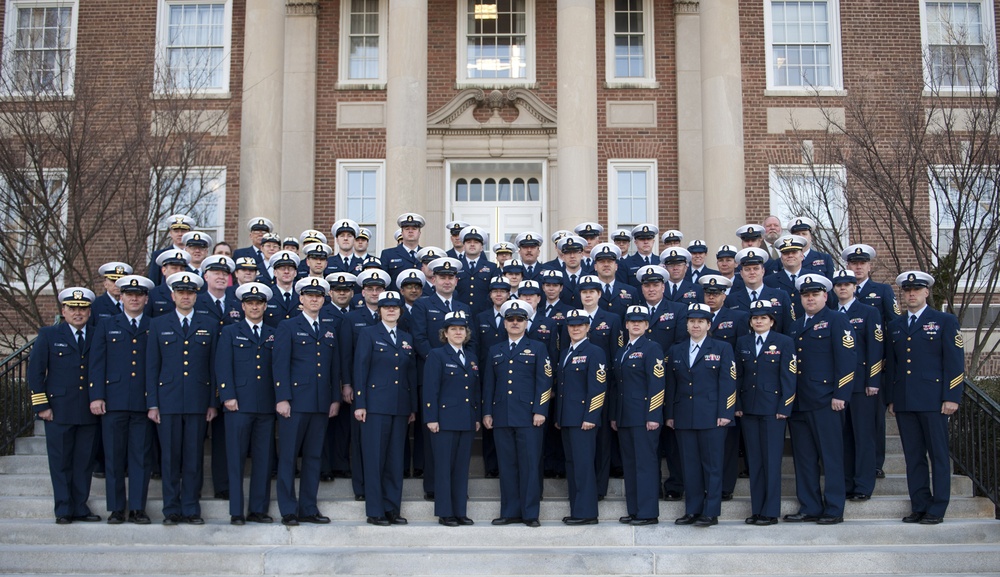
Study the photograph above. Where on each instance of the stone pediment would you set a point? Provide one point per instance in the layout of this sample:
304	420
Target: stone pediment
459	113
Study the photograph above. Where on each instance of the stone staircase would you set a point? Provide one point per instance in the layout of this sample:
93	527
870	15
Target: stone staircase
871	541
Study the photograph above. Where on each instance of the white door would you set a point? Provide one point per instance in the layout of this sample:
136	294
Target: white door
503	205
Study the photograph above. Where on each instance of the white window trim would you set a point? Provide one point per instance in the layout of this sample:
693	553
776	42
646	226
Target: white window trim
344	81
10	29
217	237
345	166
162	25
836	56
461	53
648	79
989	40
48	174
776	171
651	167
935	218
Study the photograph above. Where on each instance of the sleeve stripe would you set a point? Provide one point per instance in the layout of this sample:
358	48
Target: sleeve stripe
731	400
790	400
597	402
846	379
546	396
957	381
876	369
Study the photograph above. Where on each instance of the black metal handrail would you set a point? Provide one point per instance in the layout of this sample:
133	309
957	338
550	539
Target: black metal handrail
16	416
975	442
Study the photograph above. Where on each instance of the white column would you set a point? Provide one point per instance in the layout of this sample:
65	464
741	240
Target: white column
406	112
690	163
576	75
261	120
722	119
298	166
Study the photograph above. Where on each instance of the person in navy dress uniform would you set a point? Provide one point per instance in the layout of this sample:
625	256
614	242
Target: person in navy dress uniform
306	238
404	255
581	387
786	275
197	243
385	402
455	228
177	226
622	238
160	298
452	413
258	227
345	231
552	285
528	247
826	360
285	302
571	249
698	251
109	304
245	272
725	259
678	288
57	377
700	405
751	262
517	387
751	236
765	380
306	378
671	238
616	294
118	396
811	258
490	330
243	367
337	450
859	417
925	375
180	396
503	252
270	244
590	232
645	236
859	259
474	279
636	407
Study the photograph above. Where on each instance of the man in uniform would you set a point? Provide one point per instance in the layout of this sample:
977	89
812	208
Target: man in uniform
591	232
698	251
177	225
623	240
257	226
751	262
285	302
784	277
827	359
109	304
197	243
337	451
811	258
925	367
161	297
672	238
552	285
725	259
180	396
306	374
361	243
474	279
118	396
678	289
57	376
345	231
644	236
528	247
404	255
616	294
751	236
455	228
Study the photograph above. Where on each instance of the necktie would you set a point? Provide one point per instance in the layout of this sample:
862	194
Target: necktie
343	310
79	339
760	343
913	320
185	325
857	290
472	265
256	333
135	325
447	306
413	254
461	357
499	320
753	295
791	276
586	261
645	260
694	276
628	347
392	335
607	291
673	291
260	256
843	310
694	354
569	354
572	279
548	311
121	309
288	299
513	346
531	269
218	303
316	327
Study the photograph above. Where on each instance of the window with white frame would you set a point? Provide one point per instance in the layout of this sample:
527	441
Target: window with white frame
959	44
32	212
628	34
632	188
39	46
802	39
198	192
193	39
963	210
816	192
363	25
496	41
361	195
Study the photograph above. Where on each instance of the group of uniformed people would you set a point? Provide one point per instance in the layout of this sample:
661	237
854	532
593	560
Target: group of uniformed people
325	361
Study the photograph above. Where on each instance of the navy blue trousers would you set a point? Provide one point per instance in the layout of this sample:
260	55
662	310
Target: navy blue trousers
859	444
182	448
452	453
818	437
249	434
764	436
519	454
581	448
701	454
382	439
925	435
128	450
301	432
642	471
71	452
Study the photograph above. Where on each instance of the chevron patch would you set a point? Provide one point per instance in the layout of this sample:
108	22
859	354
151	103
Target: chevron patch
656	402
546	396
732	370
621	340
956	381
846	379
878	333
959	341
793	365
658	370
602	377
731	400
597	402
848	340
548	368
790	400
895	308
876	369
39	399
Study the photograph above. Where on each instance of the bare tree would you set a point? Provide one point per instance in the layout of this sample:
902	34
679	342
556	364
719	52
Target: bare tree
85	159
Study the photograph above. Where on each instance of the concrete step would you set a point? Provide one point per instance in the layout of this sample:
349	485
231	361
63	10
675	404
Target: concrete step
657	559
551	509
479	487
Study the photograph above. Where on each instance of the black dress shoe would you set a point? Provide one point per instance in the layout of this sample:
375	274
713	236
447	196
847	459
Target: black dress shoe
222	495
380	521
859	497
465	521
706	521
172	519
418	473
139	517
289	520
406	474
428	496
931	520
98	474
801	518
89	518
600	497
317	519
237	520
686	520
507	520
617	472
63	520
913	518
359	497
492	474
727	496
829	520
580	521
751	519
326	478
641	522
672	496
155	476
395	519
549	474
626	519
448	521
116	518
342	474
532	523
879	474
260	518
194	520
762	520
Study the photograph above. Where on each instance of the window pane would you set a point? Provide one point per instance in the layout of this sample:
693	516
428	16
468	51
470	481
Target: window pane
533	191
363	59
496	41
801	43
41	51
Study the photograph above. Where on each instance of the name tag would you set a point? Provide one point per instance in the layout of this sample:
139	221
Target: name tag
451	366
242	338
114	332
60	345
